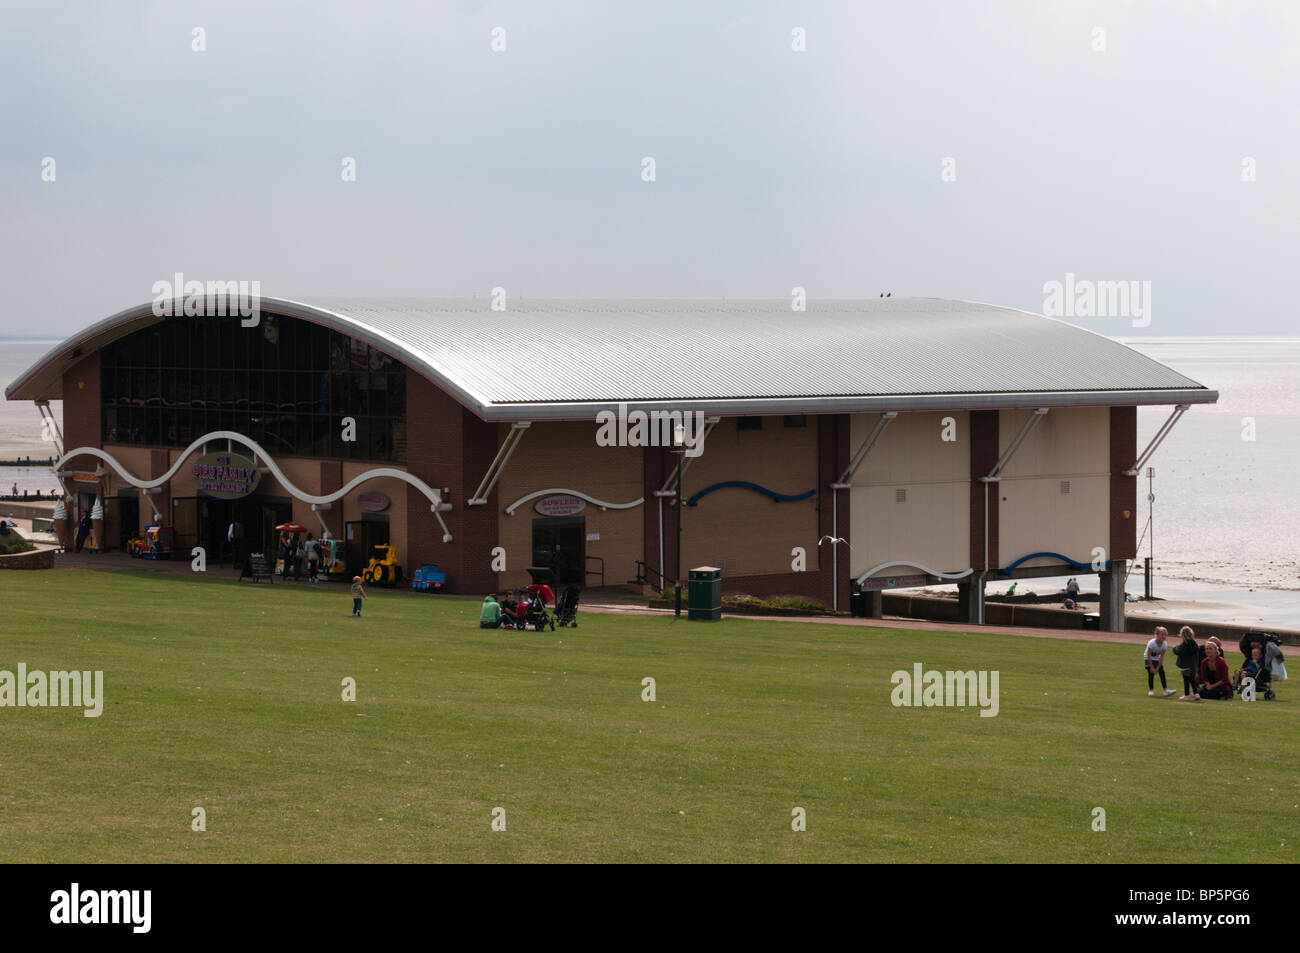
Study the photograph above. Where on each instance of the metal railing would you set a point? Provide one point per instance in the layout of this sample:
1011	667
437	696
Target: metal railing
595	572
645	574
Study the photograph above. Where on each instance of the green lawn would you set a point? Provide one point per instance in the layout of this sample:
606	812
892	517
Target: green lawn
228	696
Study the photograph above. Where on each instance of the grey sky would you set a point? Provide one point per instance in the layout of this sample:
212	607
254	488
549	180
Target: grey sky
774	168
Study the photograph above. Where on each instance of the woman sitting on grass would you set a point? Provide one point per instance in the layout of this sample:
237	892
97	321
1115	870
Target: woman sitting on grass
1215	681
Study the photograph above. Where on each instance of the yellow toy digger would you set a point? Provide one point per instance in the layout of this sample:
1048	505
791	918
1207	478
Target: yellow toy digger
383	568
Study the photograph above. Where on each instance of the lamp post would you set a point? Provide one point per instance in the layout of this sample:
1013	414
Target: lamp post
679	448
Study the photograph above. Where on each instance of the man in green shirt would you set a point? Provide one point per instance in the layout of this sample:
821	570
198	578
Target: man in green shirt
490	617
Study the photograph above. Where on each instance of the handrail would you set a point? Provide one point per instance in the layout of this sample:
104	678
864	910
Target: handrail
589	572
643	572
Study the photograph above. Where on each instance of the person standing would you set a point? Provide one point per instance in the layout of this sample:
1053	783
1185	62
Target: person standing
1188	654
1072	590
83	530
313	557
358	595
1276	660
1153	662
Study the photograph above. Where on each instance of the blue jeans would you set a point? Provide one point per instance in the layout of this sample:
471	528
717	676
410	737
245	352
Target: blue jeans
492	625
356	607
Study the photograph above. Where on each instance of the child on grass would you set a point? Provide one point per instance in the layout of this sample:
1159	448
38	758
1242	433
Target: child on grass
1188	654
1153	661
358	594
1254	665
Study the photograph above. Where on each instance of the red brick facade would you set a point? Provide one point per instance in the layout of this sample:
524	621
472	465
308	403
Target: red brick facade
1123	489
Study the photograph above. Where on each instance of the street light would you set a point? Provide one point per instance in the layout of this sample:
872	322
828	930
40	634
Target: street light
679	448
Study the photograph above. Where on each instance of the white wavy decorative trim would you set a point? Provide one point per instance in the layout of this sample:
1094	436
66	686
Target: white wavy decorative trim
510	510
925	569
435	498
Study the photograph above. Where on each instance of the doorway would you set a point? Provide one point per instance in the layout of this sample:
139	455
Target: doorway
360	539
560	543
128	518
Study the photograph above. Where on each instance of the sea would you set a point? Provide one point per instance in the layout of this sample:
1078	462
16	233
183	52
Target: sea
1224	525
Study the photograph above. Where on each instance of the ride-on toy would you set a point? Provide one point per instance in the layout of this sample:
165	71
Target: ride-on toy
383	568
429	578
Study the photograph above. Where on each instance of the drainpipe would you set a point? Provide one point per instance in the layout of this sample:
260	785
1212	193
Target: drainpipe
835	548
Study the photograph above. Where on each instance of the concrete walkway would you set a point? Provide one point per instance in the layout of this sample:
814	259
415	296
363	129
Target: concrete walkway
920	625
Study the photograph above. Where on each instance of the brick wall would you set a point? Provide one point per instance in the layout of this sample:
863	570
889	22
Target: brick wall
1123	489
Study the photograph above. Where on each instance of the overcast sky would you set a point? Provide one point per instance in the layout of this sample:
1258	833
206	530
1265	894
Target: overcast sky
774	168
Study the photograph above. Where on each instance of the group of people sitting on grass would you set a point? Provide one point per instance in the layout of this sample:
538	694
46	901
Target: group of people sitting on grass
508	613
1205	668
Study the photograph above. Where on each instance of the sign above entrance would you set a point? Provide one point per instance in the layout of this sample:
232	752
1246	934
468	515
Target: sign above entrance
560	504
226	476
895	582
373	502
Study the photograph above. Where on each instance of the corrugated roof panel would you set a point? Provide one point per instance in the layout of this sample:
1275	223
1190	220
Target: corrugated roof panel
602	351
556	357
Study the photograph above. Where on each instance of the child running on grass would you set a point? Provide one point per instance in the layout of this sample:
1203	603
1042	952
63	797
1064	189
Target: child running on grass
358	594
1153	661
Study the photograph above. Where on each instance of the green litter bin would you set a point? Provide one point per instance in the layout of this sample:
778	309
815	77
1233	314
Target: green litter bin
705	593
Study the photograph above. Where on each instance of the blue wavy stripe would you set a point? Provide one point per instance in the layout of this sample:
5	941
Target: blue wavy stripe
1064	559
778	497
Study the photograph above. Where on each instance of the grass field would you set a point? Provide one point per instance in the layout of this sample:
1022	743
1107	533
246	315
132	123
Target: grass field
228	697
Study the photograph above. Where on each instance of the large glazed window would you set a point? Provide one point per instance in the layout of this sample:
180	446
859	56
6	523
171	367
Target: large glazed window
286	383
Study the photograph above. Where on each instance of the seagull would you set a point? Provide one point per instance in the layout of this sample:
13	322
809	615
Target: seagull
835	540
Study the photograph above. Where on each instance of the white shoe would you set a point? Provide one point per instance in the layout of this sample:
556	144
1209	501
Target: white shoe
1151	694
1168	692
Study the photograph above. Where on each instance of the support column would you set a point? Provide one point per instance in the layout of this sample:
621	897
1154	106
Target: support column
875	599
1112	596
970	599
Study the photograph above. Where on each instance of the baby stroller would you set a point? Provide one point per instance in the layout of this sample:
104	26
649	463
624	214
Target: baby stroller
535	614
566	610
1263	681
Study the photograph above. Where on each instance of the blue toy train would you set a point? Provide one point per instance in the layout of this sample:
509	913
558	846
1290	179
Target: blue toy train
429	578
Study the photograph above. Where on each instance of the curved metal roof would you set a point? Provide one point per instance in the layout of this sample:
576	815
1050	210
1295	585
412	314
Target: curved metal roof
551	358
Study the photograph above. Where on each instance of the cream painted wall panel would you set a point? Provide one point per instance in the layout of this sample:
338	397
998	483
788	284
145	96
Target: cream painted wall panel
1035	517
931	528
911	450
1067	441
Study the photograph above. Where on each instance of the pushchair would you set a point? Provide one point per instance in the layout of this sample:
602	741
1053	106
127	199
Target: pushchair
534	613
1263	681
566	609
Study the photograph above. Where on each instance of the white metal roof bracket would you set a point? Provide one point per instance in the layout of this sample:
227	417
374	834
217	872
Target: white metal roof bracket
846	478
499	463
1157	440
996	473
